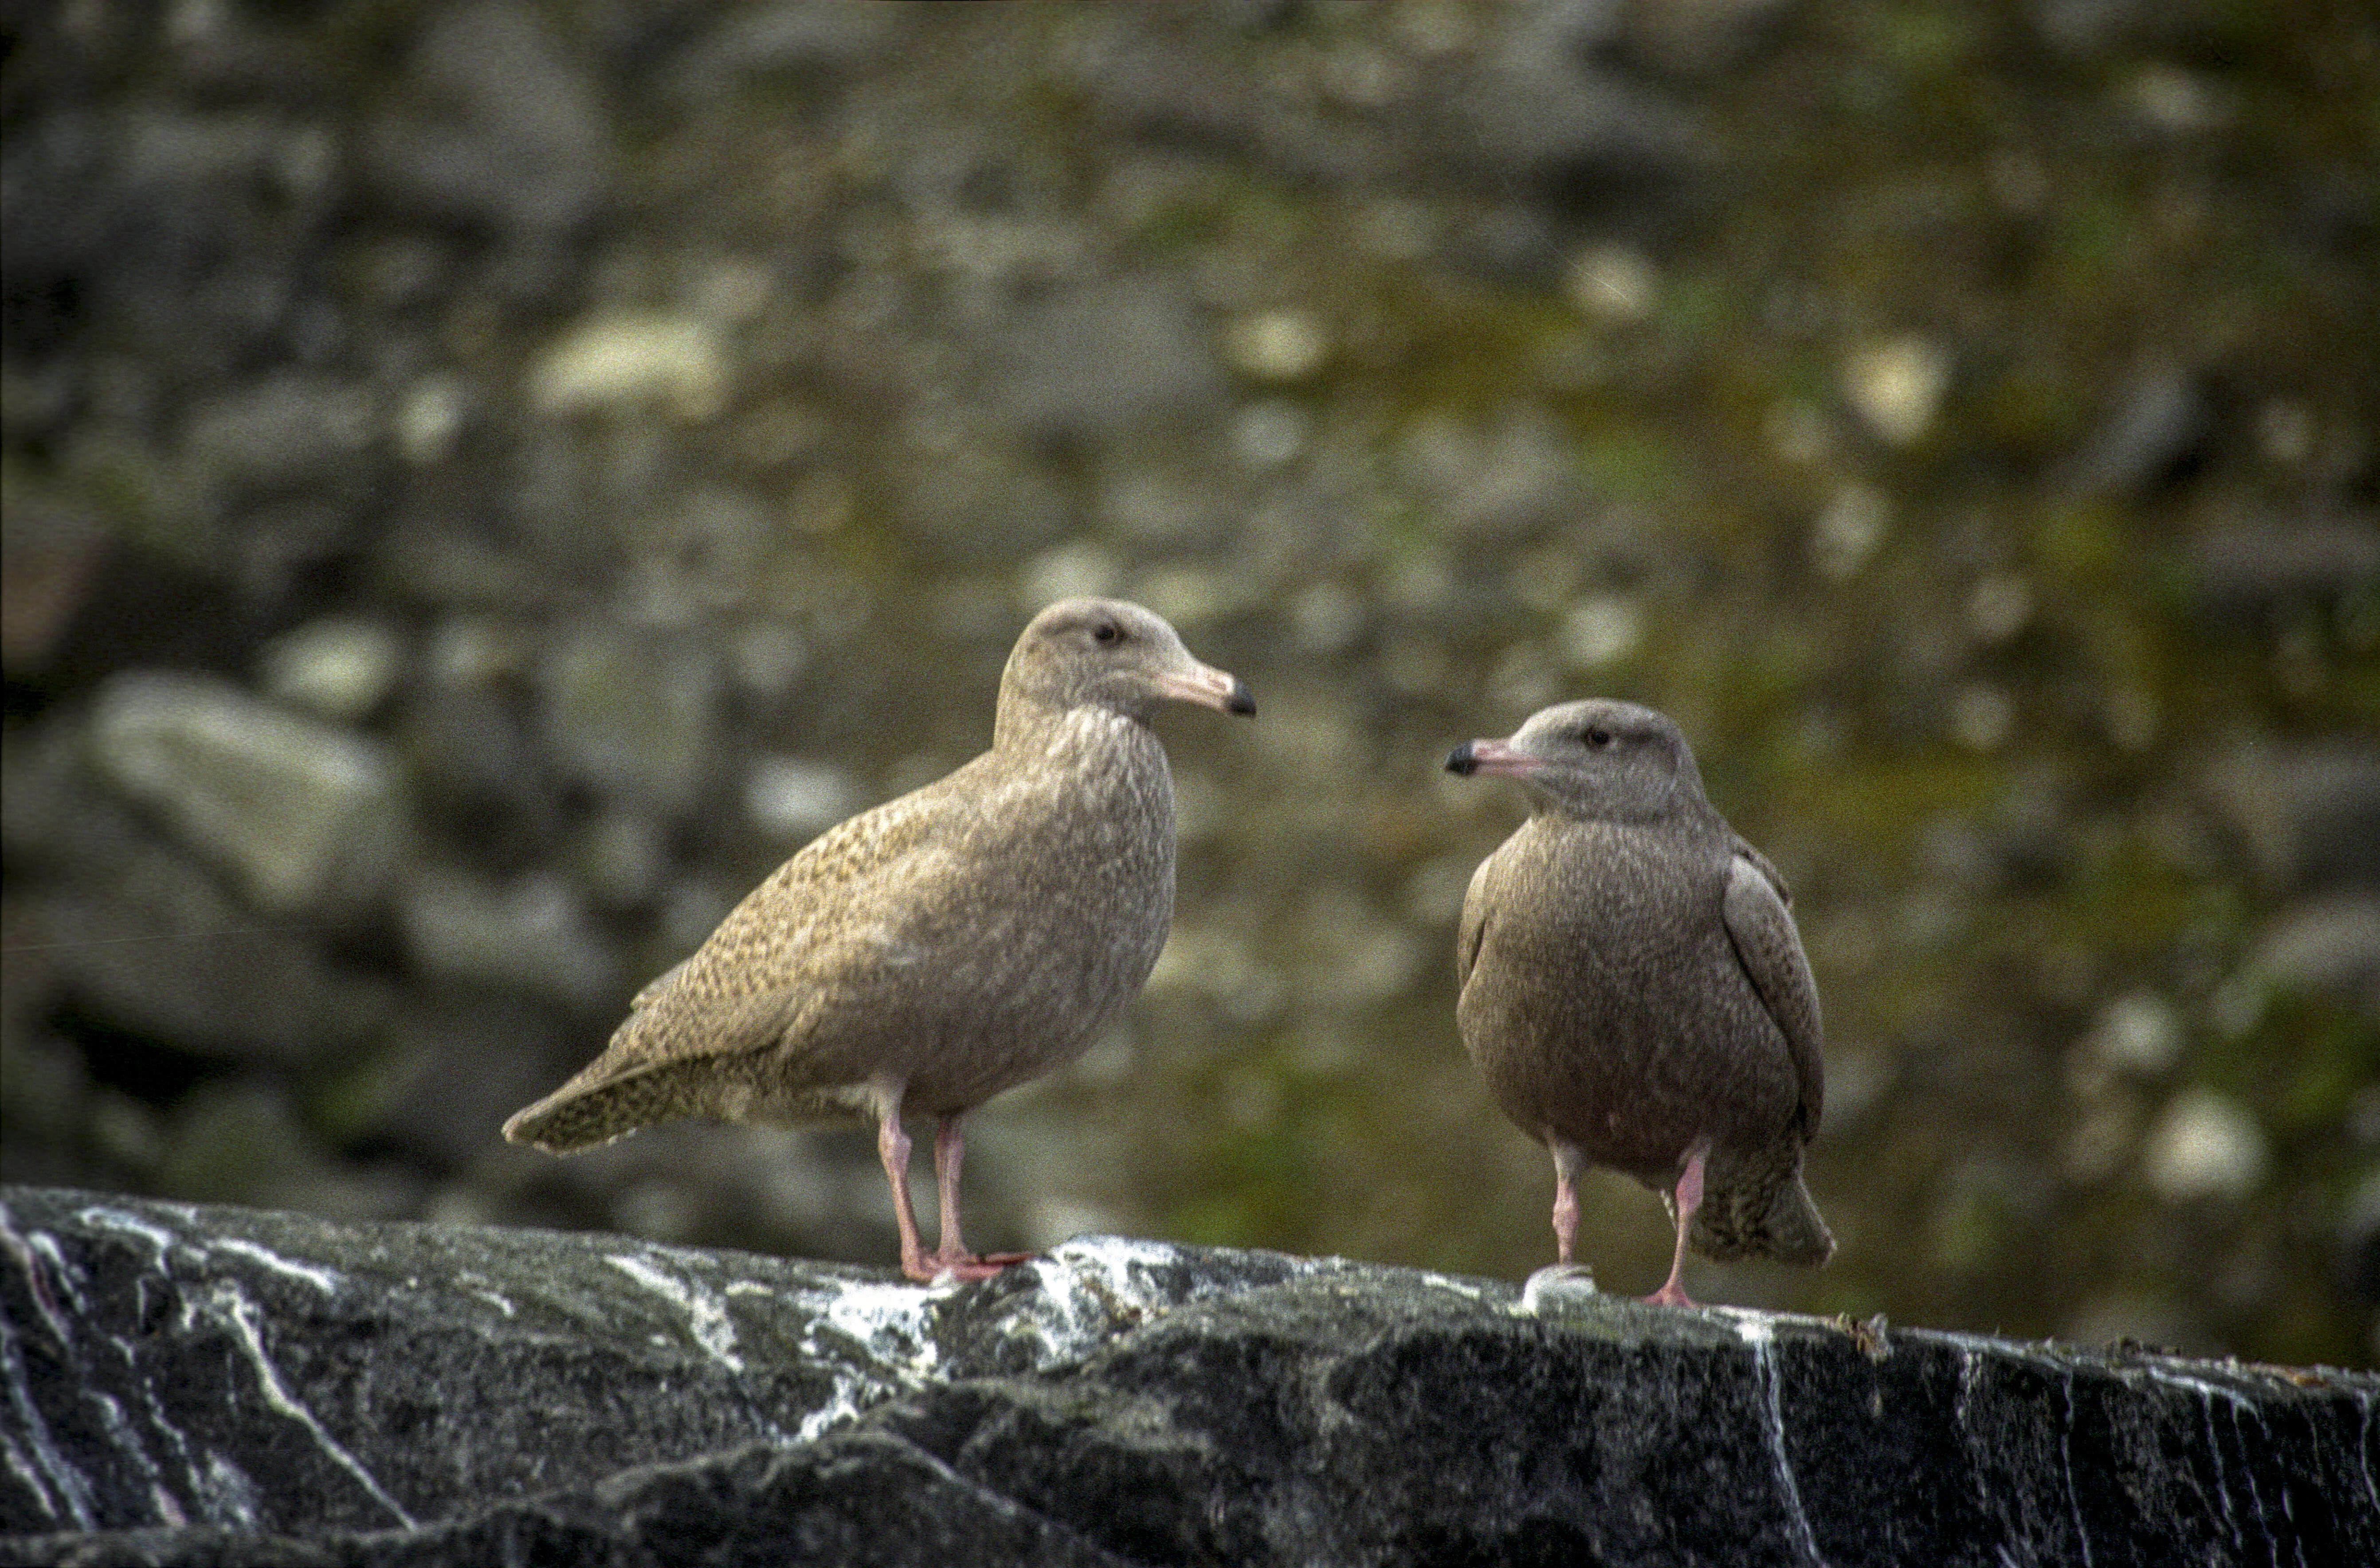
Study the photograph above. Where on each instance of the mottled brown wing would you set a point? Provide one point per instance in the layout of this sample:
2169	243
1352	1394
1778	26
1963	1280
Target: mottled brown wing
1770	951
821	924
658	985
820	934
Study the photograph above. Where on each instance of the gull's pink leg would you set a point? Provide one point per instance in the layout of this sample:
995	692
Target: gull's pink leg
1568	1163
892	1148
1689	1197
950	1150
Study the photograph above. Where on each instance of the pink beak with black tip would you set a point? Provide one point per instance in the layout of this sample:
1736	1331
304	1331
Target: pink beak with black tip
1208	687
1494	757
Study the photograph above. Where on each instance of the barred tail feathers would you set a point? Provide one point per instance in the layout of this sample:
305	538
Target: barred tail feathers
1759	1213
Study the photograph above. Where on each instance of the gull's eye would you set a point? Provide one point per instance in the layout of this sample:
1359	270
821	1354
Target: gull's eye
1595	735
1107	632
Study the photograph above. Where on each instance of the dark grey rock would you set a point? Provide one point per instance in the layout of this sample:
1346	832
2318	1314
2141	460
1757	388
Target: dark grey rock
1539	110
303	814
2359	1243
196	1385
621	859
285	432
1702	37
2158	421
2326	945
51	556
263	549
504	130
454	1066
631	712
533	933
154	946
2094	29
790	41
1106	359
475	757
1178	85
2310	813
175	229
980	508
245	1141
2242	571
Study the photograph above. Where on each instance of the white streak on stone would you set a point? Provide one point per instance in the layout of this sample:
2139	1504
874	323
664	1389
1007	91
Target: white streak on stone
232	1494
1463	1288
240	1314
115	1219
128	1442
23	1248
66	1494
67	1279
1089	1283
706	1315
476	1285
2297	1537
1759	1334
324	1279
2249	1465
2207	1394
1551	1284
2066	1456
1969	1362
218	1502
220	1492
2363	1449
1086	1284
890	1323
2199	1386
20	1464
2222	1483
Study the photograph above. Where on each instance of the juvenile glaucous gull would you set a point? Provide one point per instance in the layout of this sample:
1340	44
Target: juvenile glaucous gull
931	952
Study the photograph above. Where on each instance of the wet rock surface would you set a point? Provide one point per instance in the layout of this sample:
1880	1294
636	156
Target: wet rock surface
198	1385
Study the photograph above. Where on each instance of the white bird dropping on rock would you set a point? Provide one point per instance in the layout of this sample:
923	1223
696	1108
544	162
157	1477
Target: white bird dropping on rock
929	953
1635	990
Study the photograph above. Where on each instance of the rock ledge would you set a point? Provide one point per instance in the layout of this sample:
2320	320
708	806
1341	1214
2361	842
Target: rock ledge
214	1385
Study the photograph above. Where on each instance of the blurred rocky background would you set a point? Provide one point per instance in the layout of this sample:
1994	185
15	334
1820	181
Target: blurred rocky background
484	481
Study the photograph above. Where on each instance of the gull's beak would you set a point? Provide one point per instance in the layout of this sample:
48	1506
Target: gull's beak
1492	756
1208	687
